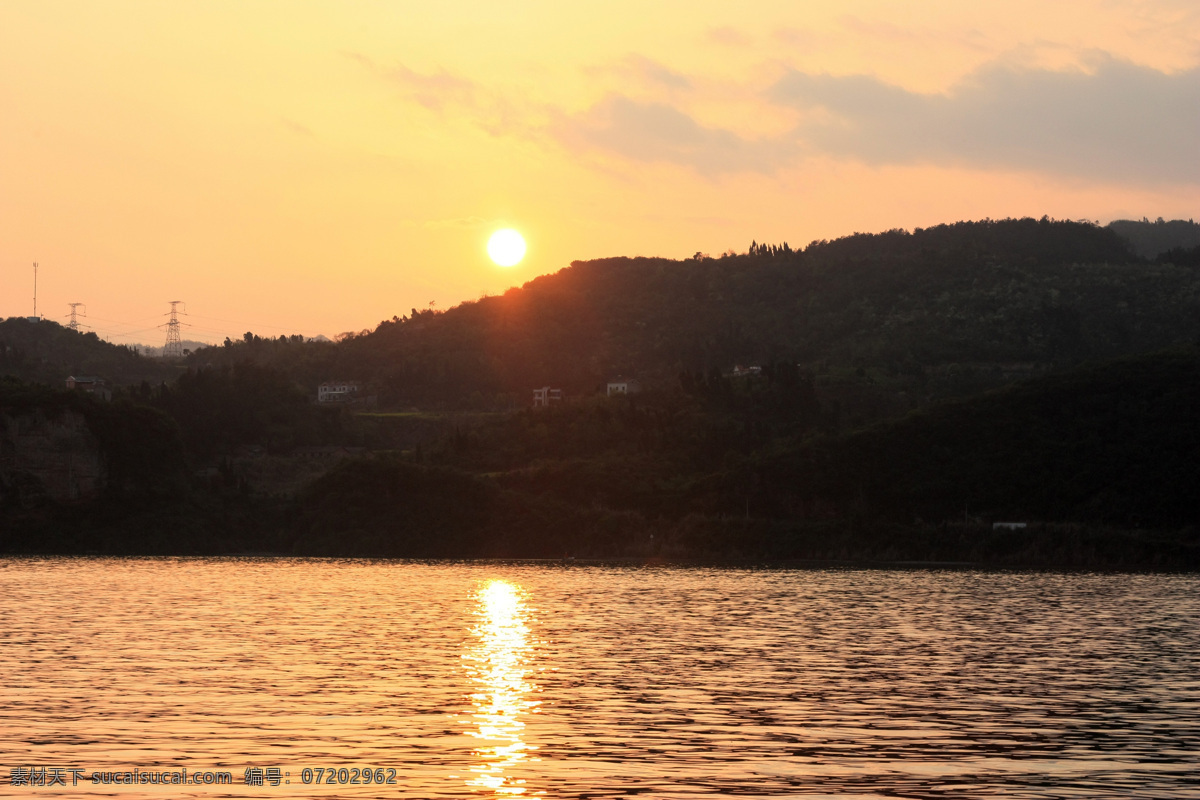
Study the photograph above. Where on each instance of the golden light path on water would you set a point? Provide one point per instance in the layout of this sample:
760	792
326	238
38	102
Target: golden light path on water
593	681
498	662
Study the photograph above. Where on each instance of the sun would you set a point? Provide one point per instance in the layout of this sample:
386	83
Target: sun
506	247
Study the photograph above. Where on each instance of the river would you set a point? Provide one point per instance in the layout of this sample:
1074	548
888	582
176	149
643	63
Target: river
429	680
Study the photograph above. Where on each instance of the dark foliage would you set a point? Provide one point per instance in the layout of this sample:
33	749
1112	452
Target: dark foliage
46	352
220	408
141	447
387	507
880	322
1151	239
1180	257
1114	444
708	463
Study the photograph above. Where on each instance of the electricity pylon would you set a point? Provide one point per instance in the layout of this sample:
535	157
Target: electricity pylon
174	345
74	323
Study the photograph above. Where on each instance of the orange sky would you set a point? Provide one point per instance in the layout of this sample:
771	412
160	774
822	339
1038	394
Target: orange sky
315	167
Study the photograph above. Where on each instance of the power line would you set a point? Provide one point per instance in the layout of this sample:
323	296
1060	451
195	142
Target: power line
133	333
247	325
133	329
134	322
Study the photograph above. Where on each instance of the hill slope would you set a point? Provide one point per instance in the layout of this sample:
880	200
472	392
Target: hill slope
1102	463
46	352
939	312
1114	444
1152	239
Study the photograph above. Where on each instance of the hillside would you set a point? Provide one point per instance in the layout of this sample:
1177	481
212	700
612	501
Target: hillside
1101	463
1117	443
46	352
912	388
1152	239
884	322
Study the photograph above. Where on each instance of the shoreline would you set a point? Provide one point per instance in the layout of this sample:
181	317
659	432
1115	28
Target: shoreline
639	562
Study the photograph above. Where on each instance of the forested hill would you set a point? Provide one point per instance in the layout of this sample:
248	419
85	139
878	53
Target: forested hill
1114	443
943	311
1153	239
46	352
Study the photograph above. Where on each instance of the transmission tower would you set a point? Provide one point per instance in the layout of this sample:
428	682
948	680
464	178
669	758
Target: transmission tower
74	323
35	290
174	345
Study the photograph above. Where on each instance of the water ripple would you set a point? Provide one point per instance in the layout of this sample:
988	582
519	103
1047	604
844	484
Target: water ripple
486	680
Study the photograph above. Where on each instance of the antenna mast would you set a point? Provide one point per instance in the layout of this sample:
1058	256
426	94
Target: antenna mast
35	290
74	323
174	346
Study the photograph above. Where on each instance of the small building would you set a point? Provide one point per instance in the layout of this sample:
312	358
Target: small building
208	474
90	384
740	371
328	453
545	396
1008	526
624	386
337	391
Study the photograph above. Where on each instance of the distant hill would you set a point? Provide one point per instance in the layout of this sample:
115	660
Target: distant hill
1181	256
46	352
1098	465
152	351
882	321
1117	444
1101	463
1151	239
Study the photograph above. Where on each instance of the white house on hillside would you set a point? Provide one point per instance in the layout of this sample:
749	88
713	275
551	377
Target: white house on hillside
545	396
624	386
336	391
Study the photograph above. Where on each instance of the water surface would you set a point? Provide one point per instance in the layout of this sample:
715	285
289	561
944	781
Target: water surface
511	680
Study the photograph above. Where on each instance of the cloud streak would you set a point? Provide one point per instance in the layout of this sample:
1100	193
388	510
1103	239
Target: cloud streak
1120	122
468	223
435	91
1116	123
638	70
657	132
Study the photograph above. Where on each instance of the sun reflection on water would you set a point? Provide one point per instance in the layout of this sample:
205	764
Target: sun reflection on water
498	663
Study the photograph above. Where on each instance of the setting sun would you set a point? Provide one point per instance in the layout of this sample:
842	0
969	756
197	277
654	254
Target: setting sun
506	247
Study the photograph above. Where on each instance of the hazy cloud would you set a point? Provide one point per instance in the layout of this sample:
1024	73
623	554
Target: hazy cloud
434	91
361	58
1112	122
1118	122
651	71
729	36
656	132
455	222
910	36
490	109
882	30
638	70
296	127
797	37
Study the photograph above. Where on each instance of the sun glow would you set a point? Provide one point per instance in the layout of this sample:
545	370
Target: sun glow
498	664
506	247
